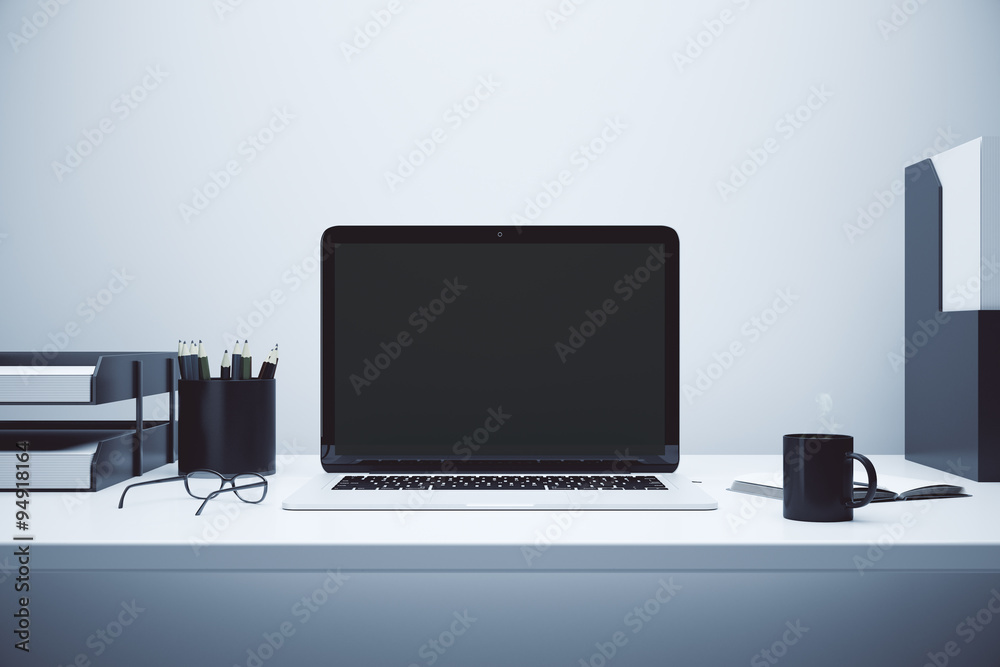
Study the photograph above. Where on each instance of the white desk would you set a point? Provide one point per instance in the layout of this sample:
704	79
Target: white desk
545	588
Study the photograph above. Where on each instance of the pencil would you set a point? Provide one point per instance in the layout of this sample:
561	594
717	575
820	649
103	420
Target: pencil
267	368
264	366
193	361
183	362
204	371
246	361
237	363
274	361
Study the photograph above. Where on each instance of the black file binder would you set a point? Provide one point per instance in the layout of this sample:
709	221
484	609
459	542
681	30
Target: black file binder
952	360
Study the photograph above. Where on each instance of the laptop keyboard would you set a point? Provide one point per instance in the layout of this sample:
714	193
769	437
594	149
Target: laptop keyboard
497	482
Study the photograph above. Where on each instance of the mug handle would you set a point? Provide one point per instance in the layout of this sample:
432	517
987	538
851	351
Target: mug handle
872	481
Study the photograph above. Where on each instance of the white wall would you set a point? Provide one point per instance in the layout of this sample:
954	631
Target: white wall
894	90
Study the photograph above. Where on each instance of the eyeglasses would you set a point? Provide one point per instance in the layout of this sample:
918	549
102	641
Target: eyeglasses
207	484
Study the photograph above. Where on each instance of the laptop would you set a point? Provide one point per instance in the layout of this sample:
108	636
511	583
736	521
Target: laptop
502	368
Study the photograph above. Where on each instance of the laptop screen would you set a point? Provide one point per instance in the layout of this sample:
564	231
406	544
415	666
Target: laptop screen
489	343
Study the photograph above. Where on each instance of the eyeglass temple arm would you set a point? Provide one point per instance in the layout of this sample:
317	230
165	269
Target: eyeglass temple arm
231	488
121	500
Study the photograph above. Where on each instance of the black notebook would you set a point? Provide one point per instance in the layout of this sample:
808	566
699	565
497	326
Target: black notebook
769	486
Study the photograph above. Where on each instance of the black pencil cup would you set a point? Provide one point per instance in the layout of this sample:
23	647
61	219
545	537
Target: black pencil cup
227	426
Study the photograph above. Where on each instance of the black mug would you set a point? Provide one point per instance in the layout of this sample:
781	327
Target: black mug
819	477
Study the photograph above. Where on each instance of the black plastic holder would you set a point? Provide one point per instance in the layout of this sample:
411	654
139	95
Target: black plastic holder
227	426
117	376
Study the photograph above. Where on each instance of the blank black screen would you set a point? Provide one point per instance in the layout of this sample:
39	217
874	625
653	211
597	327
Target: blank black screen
481	350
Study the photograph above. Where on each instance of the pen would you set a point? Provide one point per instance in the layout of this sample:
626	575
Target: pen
247	361
204	371
237	363
227	365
